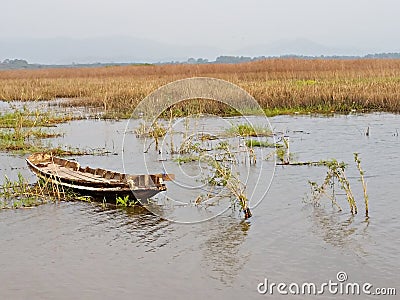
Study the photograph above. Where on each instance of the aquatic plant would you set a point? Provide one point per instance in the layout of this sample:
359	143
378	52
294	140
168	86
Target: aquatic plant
19	118
21	130
20	194
220	160
248	130
122	201
257	143
223	175
361	171
282	152
154	131
336	170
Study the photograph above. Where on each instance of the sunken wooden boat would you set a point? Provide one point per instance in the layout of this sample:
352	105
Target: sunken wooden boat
97	183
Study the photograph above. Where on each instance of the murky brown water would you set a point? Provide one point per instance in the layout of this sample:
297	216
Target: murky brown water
80	250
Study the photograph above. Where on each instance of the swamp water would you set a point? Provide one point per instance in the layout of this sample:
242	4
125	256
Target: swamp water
80	250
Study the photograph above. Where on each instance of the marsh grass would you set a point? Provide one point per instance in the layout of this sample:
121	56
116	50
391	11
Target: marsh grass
31	140
279	85
248	130
265	144
25	118
24	131
21	194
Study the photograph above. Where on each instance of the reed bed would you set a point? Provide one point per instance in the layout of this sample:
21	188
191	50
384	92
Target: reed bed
279	85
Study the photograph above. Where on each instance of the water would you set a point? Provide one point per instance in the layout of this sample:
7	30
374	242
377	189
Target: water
59	106
80	250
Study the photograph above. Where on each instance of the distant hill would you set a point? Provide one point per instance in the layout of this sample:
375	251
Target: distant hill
94	50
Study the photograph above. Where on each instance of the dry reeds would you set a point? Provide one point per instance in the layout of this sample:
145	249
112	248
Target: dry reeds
279	85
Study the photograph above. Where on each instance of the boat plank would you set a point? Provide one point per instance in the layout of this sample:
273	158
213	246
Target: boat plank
74	175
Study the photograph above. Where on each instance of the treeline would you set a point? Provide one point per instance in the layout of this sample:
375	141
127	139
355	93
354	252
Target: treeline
18	64
8	64
241	59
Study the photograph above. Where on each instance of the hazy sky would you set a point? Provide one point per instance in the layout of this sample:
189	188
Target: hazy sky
367	24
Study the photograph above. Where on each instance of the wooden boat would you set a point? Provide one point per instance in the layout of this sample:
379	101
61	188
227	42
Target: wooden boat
98	183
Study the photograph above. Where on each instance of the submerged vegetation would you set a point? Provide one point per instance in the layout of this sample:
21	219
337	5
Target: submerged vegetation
24	118
336	171
220	154
256	143
24	131
223	173
281	86
248	130
21	194
216	155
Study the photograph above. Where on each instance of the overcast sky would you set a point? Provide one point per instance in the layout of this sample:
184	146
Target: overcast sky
364	24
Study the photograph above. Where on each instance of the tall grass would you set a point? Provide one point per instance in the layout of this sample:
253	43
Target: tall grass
279	85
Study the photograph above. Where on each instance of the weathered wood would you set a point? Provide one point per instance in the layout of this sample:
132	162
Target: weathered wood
97	181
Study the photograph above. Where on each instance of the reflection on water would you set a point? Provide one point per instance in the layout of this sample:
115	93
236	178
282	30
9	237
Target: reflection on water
132	225
339	229
222	256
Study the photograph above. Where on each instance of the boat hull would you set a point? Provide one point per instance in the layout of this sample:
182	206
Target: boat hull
99	184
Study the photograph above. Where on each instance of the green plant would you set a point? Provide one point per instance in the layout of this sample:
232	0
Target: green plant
247	130
125	201
19	193
257	143
19	130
